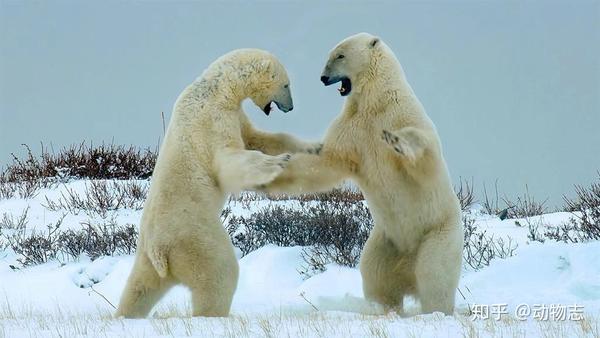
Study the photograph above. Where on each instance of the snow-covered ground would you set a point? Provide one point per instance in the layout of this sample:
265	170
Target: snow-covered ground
545	289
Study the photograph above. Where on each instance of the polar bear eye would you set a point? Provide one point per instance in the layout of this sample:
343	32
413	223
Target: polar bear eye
341	56
287	85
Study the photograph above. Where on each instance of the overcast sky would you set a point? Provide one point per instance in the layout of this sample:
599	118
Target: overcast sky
513	86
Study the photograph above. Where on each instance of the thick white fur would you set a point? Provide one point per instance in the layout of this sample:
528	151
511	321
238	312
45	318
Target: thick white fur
209	151
384	141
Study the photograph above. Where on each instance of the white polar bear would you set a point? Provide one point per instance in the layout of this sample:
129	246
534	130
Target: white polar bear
209	151
384	141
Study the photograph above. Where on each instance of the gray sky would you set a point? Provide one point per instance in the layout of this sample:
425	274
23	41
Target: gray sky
513	87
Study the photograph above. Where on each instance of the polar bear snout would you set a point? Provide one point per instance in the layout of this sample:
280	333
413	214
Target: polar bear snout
328	79
284	108
283	99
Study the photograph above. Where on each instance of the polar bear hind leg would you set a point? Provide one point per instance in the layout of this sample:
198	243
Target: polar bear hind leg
437	270
144	288
387	275
209	270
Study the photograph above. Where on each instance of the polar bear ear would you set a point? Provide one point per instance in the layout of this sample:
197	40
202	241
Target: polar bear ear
374	42
265	64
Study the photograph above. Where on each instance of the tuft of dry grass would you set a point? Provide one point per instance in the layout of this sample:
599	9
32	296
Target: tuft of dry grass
465	194
11	222
490	203
525	206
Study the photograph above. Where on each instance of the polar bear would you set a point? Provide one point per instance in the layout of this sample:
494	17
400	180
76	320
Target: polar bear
384	141
210	150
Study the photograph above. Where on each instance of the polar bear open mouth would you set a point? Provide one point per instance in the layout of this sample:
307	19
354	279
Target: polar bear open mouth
269	107
346	86
344	89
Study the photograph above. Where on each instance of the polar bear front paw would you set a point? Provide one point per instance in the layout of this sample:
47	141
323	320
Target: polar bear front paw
400	144
271	168
393	141
314	148
282	160
389	138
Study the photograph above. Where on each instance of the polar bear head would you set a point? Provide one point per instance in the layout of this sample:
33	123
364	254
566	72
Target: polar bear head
273	86
265	79
349	60
250	73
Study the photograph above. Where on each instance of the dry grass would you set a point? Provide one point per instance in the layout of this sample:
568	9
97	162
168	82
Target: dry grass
465	194
318	324
491	203
525	206
173	320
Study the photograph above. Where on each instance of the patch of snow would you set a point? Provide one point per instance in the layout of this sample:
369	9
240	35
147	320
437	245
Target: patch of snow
271	291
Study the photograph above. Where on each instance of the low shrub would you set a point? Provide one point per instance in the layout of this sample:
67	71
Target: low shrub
22	178
333	231
480	248
584	224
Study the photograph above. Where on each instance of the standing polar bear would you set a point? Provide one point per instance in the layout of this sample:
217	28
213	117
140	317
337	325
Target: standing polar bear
384	141
210	150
